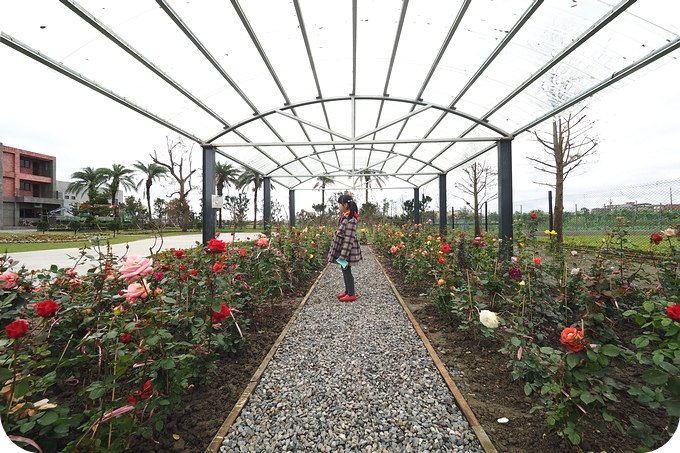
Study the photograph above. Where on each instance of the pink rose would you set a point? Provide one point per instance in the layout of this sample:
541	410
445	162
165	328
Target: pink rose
135	268
136	291
9	279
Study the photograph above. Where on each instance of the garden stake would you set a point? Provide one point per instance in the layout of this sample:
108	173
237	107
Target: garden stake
566	306
61	357
14	379
113	393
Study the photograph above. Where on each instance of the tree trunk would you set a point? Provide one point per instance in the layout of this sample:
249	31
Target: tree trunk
148	199
478	228
558	218
185	215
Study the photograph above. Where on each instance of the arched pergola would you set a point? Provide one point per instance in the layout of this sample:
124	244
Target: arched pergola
303	89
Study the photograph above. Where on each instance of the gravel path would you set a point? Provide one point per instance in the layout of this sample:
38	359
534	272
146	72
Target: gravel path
351	377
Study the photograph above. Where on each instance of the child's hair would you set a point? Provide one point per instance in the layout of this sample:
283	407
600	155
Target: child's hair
353	209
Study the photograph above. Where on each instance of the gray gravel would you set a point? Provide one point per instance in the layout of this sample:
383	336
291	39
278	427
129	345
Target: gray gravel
351	377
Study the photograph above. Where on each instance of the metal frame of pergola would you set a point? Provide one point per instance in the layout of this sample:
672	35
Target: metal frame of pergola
291	163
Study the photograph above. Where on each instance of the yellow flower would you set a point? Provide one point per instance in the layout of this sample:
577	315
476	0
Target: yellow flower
553	233
522	283
521	244
604	240
317	235
311	256
547	231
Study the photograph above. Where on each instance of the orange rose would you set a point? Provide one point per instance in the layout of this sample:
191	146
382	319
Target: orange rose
573	339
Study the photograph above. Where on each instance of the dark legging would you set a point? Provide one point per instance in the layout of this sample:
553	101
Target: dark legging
349	280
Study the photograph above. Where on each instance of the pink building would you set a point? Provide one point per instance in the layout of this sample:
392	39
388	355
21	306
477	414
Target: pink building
28	186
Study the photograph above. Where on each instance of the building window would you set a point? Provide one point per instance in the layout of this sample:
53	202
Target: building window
25	163
26	185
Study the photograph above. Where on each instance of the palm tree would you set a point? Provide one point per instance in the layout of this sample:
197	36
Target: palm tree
150	173
369	177
118	176
87	181
321	183
248	177
225	174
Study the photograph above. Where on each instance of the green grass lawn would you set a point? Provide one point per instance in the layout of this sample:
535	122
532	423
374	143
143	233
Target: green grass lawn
121	238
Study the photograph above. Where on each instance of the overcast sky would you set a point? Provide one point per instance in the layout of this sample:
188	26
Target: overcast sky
46	112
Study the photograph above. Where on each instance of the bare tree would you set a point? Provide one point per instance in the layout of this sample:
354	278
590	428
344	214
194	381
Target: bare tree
179	155
476	182
571	141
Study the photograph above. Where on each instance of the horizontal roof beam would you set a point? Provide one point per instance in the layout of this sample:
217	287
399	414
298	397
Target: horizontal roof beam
362	142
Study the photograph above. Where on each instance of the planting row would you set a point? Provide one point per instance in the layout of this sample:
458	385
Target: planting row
87	361
569	322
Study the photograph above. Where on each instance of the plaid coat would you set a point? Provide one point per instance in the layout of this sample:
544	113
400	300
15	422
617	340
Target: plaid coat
345	243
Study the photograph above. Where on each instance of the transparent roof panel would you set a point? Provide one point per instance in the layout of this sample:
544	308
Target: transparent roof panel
374	88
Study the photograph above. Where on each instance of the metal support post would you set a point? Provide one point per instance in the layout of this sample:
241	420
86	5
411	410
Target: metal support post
505	232
291	207
267	183
416	205
442	204
208	192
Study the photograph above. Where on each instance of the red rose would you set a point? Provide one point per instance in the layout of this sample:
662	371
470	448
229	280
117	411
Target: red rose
656	239
216	246
222	314
146	392
17	328
534	215
573	339
217	267
46	308
537	260
242	252
179	253
673	312
126	338
515	273
446	248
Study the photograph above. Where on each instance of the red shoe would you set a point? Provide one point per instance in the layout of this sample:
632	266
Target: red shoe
341	295
348	298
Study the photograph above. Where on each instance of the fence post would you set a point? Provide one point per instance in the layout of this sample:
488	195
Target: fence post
550	210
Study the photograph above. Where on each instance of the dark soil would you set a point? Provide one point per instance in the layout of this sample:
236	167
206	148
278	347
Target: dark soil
486	384
491	392
203	411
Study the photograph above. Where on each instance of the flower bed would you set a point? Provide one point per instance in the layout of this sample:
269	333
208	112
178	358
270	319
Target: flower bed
566	322
89	361
39	238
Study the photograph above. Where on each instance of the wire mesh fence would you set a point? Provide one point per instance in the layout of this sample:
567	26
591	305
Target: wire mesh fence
645	208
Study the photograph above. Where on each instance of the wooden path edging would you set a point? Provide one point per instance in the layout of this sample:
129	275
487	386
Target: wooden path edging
216	442
483	438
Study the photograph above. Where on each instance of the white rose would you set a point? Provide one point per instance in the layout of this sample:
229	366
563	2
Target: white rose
489	319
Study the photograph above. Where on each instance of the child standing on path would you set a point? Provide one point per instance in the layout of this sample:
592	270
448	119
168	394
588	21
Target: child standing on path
345	249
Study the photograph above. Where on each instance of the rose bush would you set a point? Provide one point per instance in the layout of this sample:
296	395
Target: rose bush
539	296
88	361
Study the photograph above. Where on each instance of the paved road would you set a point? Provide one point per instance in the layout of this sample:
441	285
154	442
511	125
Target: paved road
65	257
